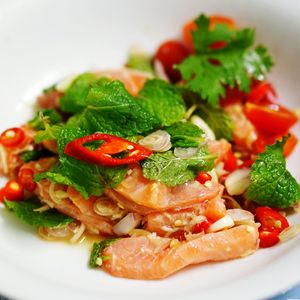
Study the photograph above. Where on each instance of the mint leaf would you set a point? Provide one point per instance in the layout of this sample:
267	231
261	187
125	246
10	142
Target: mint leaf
73	100
34	155
24	210
185	134
209	70
171	170
217	119
271	183
48	115
139	61
162	100
50	133
97	251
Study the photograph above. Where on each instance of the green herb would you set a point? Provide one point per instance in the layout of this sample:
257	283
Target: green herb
25	210
209	70
97	251
185	134
74	98
49	89
50	116
140	61
162	100
271	183
34	155
50	133
171	170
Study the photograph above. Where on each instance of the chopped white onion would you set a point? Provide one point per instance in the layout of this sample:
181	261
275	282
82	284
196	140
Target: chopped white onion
64	84
185	152
160	71
129	222
289	233
79	232
221	224
43	208
204	126
3	160
158	141
238	181
106	208
214	176
52	193
241	216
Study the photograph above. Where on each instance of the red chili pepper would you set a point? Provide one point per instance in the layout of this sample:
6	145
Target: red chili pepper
13	191
247	163
26	179
230	162
200	227
103	154
2	196
270	219
202	177
268	238
262	92
12	137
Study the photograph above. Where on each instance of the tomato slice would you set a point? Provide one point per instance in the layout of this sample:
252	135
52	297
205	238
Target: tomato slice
189	27
268	238
26	179
169	54
271	120
202	177
270	219
12	137
13	191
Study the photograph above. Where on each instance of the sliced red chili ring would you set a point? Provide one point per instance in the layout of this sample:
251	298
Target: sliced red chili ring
268	238
103	154
13	191
26	179
202	177
202	226
270	219
12	137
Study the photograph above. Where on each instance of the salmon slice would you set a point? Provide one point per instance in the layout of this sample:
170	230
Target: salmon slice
72	204
133	80
150	257
156	195
164	223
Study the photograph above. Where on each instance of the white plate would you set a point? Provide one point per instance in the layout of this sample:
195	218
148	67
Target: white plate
41	42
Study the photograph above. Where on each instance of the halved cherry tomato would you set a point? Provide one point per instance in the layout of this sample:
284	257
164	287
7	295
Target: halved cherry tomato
13	191
26	179
270	219
12	137
230	162
169	54
262	92
189	27
200	227
290	145
202	177
268	238
271	120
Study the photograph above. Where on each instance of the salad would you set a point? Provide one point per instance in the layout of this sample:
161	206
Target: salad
175	159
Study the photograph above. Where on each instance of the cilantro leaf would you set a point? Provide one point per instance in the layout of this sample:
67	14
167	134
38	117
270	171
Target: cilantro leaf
24	210
271	183
47	115
74	98
139	61
171	170
185	134
97	251
209	70
162	100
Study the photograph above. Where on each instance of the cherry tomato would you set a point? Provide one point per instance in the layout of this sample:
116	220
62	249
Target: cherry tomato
271	120
200	227
270	219
26	179
268	238
262	92
230	162
12	137
189	27
13	191
169	54
202	177
290	145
